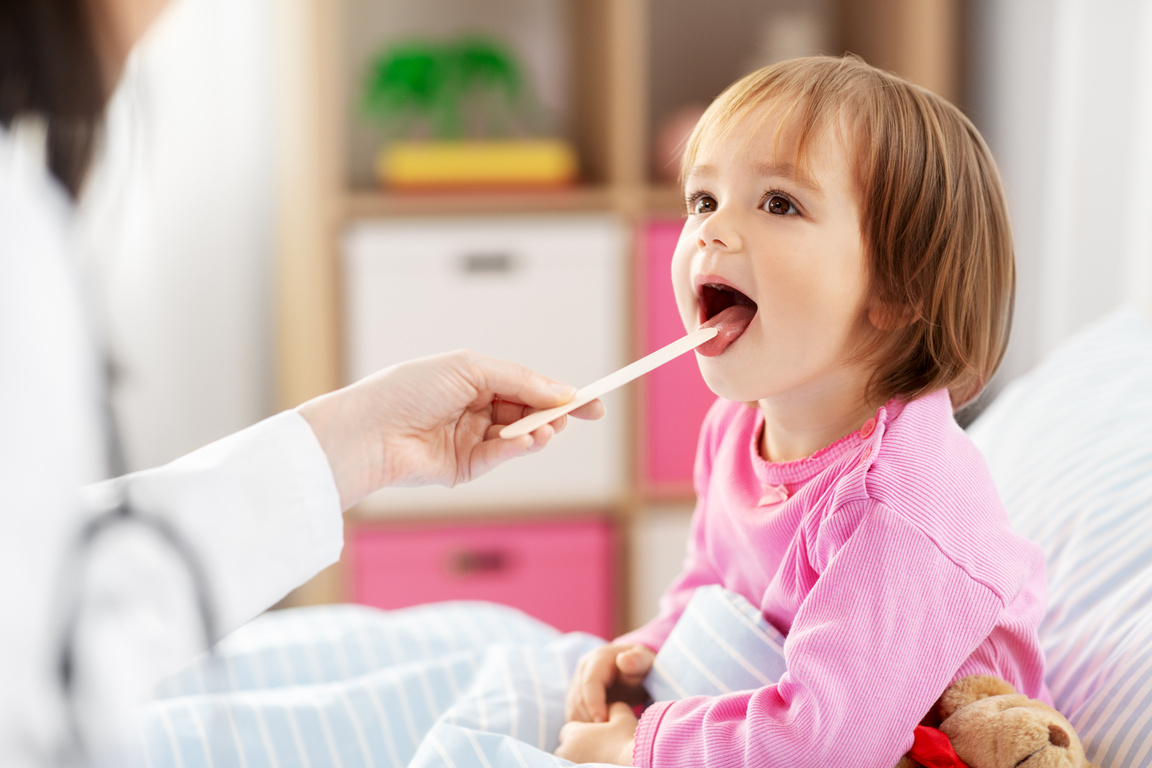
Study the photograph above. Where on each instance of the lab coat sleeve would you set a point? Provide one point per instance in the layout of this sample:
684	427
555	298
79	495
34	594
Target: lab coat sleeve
259	509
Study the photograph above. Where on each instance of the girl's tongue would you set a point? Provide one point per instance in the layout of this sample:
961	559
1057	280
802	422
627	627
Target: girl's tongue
727	310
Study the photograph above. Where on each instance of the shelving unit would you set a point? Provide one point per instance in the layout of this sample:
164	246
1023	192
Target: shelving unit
629	63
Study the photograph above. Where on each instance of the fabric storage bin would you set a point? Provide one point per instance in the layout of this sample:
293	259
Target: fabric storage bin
561	572
675	397
544	291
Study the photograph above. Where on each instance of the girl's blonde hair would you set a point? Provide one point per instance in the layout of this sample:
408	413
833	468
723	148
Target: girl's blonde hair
933	218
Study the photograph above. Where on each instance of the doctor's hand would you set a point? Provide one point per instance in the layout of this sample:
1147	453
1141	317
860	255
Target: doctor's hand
432	421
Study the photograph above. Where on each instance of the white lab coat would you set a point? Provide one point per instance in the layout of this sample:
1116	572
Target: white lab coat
260	508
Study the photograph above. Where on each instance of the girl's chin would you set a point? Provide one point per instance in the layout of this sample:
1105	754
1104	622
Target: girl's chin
723	384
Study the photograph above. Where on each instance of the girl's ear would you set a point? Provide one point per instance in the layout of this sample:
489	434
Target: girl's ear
889	317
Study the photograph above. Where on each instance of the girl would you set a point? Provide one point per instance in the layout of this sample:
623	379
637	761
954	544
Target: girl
847	233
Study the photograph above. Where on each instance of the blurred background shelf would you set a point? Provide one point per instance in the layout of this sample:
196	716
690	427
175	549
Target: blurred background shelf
368	204
621	80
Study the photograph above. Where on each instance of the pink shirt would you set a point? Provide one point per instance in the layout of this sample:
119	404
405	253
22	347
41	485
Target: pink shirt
888	562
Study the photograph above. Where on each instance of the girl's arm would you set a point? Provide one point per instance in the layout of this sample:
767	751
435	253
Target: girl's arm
886	625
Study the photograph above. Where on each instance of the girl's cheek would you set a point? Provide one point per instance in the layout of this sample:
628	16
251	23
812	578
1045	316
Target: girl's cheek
685	300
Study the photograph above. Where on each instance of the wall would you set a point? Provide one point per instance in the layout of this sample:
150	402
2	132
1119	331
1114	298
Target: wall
179	217
1063	93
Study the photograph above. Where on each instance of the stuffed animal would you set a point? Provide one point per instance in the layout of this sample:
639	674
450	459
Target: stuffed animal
989	725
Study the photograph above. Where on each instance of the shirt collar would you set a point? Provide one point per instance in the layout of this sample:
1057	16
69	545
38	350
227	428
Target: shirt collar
794	473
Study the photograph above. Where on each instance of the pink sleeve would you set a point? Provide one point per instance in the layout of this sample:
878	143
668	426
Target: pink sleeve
697	569
884	628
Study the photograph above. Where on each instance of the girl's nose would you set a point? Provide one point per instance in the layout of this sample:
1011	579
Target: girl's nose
719	231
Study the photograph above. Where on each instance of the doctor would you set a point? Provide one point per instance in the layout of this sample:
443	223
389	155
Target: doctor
90	613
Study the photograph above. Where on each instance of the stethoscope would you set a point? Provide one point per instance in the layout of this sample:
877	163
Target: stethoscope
75	751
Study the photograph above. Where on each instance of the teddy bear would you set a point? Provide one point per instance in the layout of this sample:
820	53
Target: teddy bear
990	725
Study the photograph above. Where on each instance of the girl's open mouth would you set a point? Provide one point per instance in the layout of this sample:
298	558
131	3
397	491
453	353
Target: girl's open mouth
726	309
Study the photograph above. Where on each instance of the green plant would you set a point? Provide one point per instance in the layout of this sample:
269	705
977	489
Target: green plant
468	87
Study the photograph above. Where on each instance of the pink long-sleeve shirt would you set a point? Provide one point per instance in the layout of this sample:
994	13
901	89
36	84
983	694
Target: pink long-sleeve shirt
889	564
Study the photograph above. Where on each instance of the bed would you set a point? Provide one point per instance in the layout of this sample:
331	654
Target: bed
1070	446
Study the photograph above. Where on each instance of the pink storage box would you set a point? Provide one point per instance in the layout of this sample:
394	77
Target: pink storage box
561	572
675	397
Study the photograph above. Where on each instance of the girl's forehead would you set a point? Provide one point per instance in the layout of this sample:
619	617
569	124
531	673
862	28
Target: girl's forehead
770	135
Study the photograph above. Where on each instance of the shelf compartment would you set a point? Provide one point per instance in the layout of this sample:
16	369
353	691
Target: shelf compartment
546	291
563	572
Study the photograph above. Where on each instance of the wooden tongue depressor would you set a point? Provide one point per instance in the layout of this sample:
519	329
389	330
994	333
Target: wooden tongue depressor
534	421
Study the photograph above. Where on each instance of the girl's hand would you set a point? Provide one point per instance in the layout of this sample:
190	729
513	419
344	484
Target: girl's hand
610	742
432	421
615	666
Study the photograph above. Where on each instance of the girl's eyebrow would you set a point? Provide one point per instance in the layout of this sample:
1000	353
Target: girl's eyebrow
701	169
789	171
768	170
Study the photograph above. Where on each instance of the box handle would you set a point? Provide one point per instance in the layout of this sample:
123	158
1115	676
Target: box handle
488	263
466	562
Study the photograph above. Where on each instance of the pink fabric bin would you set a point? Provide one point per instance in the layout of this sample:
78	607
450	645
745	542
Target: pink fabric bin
674	397
561	572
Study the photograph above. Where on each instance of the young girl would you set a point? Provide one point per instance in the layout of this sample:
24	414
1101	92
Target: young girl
847	233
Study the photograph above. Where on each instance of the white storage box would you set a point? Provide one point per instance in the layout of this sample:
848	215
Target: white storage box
545	291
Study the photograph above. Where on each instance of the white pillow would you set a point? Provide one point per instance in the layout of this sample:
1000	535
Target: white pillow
1070	447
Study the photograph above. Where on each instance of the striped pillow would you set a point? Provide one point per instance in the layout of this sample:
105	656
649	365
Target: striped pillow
1070	447
721	643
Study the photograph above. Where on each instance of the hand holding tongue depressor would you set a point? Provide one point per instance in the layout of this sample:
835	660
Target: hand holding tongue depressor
534	421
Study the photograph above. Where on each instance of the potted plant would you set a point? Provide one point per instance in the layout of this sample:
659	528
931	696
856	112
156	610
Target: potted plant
459	114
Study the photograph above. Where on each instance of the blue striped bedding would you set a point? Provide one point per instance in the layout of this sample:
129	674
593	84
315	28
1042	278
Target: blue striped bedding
451	684
1070	447
347	686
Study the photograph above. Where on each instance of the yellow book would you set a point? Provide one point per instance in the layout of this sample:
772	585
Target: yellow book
535	162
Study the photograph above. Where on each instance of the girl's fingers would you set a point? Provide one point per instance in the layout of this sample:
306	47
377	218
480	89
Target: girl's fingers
634	665
598	676
574	707
596	672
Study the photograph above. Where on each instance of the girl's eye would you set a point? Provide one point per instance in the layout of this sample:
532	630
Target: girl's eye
779	205
701	204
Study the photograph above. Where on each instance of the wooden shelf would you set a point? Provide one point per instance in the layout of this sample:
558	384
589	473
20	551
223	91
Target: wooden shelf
362	204
660	200
628	72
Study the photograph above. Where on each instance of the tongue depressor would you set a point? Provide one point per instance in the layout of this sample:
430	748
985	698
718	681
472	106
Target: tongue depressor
600	387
